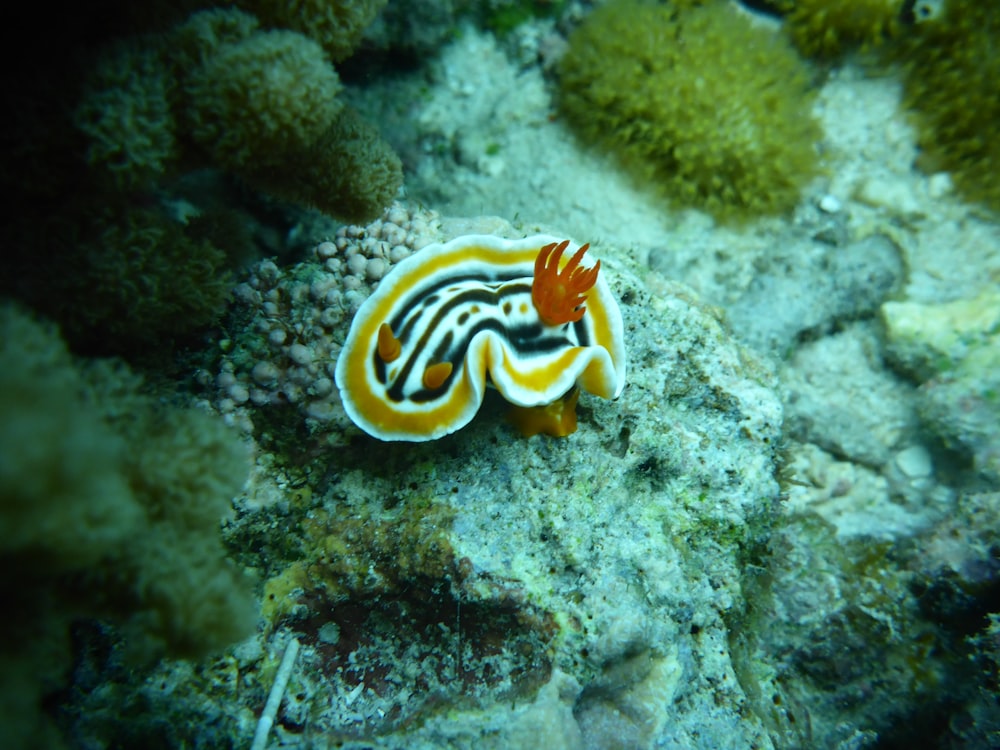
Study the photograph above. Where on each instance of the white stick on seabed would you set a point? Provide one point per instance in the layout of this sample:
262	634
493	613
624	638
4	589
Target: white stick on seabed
275	696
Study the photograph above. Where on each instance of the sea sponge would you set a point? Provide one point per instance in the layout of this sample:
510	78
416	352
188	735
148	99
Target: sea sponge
827	29
701	102
335	24
951	64
110	505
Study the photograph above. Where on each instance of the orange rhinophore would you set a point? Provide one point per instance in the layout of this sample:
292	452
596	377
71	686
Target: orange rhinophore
559	295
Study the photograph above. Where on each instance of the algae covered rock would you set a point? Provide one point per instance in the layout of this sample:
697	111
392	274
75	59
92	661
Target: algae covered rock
460	592
699	102
953	349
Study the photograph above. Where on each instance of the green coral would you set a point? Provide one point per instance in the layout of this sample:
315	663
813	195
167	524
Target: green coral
126	117
159	124
255	102
700	102
828	28
111	505
128	279
260	98
951	67
947	53
264	104
507	16
335	24
350	169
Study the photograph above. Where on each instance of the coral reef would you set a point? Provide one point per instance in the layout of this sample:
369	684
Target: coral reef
111	505
145	279
857	580
120	172
470	591
335	25
946	54
288	324
700	102
951	65
826	29
412	554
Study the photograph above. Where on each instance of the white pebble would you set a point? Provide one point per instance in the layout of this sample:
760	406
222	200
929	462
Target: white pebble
330	317
353	299
322	411
939	185
397	214
259	397
265	373
356	264
375	269
915	462
352	283
300	354
246	294
300	376
267	271
321	286
325	250
321	387
394	234
225	379
239	393
277	337
830	204
398	253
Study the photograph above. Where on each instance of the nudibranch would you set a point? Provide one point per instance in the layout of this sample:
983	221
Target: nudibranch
526	316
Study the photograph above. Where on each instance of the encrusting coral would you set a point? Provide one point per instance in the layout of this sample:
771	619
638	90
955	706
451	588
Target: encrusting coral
110	506
289	324
698	101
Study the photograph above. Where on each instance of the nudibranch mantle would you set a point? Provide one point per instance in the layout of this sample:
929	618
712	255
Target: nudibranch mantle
414	365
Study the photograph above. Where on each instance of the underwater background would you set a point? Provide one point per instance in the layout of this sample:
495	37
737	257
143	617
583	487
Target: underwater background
784	532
